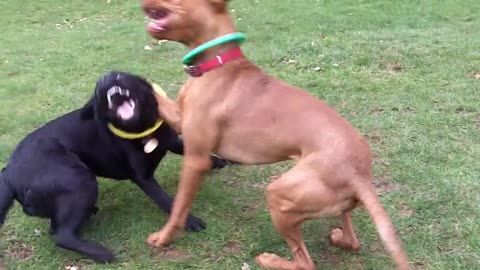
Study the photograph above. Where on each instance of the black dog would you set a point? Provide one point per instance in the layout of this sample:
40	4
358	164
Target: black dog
52	172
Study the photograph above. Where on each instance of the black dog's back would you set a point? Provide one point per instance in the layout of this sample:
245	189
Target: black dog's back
89	141
43	170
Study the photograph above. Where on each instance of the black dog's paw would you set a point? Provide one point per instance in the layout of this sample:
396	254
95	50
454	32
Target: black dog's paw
103	257
195	224
218	163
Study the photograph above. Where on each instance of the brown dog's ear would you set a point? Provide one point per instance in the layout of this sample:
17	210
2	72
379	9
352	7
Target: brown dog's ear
219	5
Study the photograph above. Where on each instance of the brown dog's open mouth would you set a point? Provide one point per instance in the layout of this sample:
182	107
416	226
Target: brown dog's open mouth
159	19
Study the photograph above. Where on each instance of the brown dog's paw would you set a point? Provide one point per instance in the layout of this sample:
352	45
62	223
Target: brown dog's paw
158	239
270	261
337	238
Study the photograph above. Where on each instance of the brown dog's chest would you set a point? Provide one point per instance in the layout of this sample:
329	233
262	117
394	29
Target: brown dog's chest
246	129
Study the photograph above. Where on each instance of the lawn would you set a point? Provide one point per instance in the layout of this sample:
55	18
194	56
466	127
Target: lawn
405	73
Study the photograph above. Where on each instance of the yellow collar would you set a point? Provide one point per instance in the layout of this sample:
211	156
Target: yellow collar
131	136
159	90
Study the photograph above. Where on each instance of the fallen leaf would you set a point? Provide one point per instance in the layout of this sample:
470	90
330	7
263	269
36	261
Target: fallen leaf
290	61
250	210
394	67
404	211
386	185
19	250
245	266
233	247
169	254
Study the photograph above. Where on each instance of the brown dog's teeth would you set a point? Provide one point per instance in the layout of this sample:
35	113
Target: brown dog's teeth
156	14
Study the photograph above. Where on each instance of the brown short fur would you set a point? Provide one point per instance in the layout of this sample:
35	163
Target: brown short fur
243	114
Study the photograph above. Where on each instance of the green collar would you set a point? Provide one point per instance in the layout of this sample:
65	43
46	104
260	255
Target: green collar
237	37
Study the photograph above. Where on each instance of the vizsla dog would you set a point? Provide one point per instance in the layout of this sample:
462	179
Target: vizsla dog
240	113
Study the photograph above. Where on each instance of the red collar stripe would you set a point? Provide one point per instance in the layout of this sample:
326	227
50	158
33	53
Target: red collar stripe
218	61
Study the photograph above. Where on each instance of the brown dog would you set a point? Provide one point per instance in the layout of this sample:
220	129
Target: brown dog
242	114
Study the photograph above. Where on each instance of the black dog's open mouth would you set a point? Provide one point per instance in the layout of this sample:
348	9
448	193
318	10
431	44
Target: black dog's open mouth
120	98
159	19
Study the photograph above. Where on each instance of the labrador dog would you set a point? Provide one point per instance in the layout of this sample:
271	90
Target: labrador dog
52	172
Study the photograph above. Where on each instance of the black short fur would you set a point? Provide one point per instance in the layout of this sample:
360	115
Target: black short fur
52	172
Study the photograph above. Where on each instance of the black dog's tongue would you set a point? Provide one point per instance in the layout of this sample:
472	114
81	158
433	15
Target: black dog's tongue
126	110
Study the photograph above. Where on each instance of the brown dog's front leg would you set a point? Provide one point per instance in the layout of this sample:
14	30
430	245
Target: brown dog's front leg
193	170
169	111
199	140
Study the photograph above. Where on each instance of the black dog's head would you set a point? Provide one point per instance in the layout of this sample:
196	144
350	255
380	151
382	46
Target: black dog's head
125	100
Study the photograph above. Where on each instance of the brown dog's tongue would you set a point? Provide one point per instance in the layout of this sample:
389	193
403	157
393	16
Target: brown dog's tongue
157	25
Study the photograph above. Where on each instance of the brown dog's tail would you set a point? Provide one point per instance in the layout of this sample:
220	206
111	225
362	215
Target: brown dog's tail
367	195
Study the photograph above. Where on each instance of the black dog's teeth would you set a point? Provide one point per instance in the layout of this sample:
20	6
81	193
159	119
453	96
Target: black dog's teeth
117	90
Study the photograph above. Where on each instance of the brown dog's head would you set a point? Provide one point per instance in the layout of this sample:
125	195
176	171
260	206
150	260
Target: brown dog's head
191	22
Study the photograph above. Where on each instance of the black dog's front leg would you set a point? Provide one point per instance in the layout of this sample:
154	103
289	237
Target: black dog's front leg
165	202
142	176
177	148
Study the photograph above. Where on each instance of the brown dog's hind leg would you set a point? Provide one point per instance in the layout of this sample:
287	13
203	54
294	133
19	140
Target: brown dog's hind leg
345	237
287	220
293	236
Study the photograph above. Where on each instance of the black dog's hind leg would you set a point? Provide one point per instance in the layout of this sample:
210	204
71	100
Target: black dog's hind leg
7	196
53	225
177	148
165	202
71	214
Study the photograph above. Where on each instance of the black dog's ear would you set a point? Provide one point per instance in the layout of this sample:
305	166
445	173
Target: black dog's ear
88	111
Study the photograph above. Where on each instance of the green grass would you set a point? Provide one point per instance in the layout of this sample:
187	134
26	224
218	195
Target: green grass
401	71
